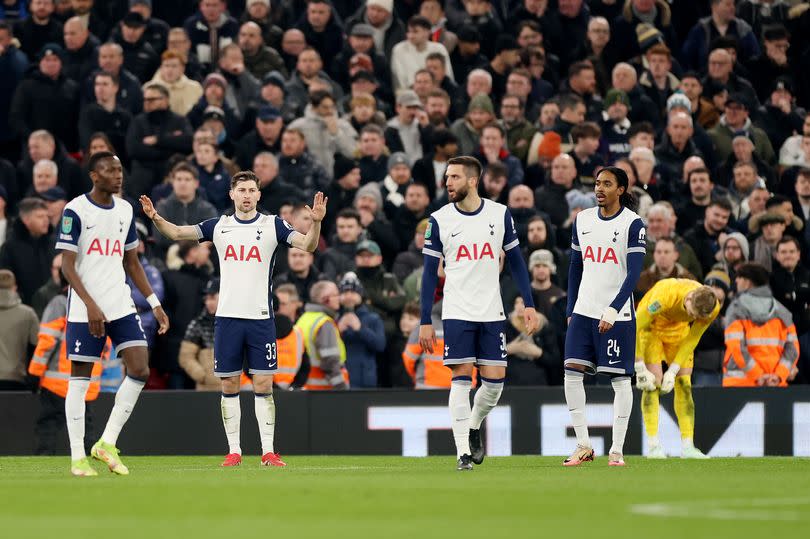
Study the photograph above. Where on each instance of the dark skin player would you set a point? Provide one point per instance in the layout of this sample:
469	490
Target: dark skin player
107	178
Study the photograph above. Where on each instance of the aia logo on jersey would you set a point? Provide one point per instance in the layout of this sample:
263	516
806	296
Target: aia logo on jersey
240	256
474	253
108	248
602	256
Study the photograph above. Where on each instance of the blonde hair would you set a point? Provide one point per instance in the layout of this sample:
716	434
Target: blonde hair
704	301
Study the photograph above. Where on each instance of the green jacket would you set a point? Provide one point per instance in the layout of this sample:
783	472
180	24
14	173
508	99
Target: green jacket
687	257
722	135
518	139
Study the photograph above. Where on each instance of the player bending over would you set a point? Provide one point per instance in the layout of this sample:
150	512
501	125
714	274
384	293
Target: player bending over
246	243
99	249
607	253
469	234
672	316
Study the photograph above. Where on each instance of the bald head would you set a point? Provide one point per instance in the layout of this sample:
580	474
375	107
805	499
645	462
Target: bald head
75	33
250	38
521	196
563	170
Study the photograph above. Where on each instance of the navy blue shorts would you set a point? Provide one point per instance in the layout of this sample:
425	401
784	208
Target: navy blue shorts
238	338
125	332
611	353
482	343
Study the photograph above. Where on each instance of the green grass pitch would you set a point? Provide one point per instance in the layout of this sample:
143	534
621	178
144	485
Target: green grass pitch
394	497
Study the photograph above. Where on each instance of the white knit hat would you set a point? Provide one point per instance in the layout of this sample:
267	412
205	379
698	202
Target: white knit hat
387	5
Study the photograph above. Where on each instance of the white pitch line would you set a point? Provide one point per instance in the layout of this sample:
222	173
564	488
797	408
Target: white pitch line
727	509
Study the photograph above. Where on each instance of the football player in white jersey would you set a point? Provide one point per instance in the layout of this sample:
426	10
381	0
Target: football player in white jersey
246	243
469	234
607	253
99	250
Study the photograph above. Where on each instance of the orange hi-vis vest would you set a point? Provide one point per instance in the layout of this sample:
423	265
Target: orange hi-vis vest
427	369
752	350
289	352
50	363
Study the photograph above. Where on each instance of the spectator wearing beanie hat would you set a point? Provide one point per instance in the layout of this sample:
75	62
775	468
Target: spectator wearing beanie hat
734	250
395	184
362	331
615	124
214	89
480	112
369	204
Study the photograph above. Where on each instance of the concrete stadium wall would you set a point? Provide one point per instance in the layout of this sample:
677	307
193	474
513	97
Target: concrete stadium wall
730	422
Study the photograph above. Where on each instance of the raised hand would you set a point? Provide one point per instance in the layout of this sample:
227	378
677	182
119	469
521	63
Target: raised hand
148	208
318	209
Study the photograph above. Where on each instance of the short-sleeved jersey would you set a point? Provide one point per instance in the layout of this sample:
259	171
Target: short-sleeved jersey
604	245
247	253
471	244
99	235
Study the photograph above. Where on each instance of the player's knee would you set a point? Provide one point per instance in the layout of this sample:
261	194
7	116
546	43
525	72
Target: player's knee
231	385
81	368
139	372
262	383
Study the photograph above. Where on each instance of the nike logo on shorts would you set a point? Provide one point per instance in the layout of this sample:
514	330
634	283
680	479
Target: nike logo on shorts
614	362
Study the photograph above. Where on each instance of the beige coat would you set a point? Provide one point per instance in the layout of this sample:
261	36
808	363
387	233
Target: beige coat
199	365
183	94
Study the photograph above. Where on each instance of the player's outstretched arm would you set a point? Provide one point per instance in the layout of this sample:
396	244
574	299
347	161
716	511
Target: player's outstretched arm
95	316
170	230
309	242
134	269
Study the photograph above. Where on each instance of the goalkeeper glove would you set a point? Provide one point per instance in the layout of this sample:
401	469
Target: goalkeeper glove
645	380
668	383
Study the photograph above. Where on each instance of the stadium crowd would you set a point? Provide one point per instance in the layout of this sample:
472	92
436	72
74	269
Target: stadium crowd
701	102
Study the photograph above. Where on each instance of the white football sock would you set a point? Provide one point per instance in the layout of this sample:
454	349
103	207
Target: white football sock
266	418
231	418
575	398
622	407
74	414
125	400
460	412
485	400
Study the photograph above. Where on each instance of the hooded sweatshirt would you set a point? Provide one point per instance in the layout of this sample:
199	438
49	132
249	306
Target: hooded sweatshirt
19	328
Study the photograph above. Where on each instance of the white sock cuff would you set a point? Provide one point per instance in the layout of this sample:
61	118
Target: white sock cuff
574	376
461	382
620	382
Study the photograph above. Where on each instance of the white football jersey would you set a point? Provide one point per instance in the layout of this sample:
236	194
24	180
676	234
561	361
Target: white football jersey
247	253
99	235
471	244
605	244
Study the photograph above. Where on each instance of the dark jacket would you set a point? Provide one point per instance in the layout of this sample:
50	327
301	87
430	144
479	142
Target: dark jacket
405	222
642	108
328	43
704	245
217	184
623	30
339	198
80	63
93	118
33	36
792	289
670	160
70	176
373	170
277	193
696	47
129	96
384	294
338	259
182	302
140	58
302	284
198	31
551	200
250	145
149	162
265	61
181	214
362	347
303	172
28	258
407	261
13	65
43	103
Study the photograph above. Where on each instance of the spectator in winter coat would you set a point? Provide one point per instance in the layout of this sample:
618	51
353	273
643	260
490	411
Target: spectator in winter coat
721	22
408	261
47	100
325	132
297	166
362	332
384	292
153	137
388	29
184	93
736	119
409	56
80	49
321	29
111	60
39	28
184	206
28	250
41	145
140	58
211	25
369	204
340	191
492	149
274	191
19	330
105	115
339	258
13	65
413	210
243	88
372	155
259	58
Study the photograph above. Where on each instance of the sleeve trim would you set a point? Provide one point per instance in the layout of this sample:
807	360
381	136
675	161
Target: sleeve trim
67	247
199	231
576	247
131	246
511	245
431	252
637	250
